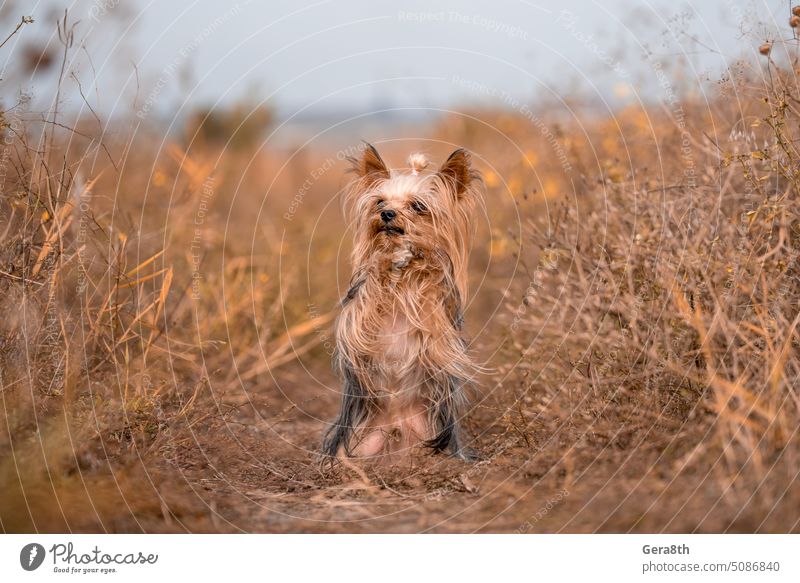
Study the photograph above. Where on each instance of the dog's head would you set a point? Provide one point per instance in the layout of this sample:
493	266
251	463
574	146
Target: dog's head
427	212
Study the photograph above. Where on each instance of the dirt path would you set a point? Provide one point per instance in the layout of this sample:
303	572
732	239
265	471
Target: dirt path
256	470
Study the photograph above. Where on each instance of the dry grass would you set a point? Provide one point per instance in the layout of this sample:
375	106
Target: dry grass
165	344
661	322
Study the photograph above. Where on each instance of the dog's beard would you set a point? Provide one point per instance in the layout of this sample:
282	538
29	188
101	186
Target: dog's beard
387	240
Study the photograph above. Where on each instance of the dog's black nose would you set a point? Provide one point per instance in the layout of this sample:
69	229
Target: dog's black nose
387	216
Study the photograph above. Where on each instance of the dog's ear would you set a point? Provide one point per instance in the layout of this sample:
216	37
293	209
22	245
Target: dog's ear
457	173
370	166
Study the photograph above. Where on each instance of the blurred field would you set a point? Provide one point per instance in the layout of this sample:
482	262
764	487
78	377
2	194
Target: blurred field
166	308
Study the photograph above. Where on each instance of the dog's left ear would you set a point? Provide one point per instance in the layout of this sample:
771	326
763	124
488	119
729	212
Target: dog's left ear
457	172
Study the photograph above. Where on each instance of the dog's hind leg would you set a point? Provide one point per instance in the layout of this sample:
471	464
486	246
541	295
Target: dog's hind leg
352	414
446	422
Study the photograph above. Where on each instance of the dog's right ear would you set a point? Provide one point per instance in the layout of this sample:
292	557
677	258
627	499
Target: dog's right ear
370	167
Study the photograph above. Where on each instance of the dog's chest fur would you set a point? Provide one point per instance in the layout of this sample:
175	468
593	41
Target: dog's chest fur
399	352
401	319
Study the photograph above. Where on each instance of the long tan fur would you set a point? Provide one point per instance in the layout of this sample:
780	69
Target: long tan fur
400	350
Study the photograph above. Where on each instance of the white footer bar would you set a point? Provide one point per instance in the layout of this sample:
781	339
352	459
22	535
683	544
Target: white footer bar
401	558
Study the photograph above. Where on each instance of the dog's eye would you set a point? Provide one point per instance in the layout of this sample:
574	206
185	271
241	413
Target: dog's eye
381	203
419	207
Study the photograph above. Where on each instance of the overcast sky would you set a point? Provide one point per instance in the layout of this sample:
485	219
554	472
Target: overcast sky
314	57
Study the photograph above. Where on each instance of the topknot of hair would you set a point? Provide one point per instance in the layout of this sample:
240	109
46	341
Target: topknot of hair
418	162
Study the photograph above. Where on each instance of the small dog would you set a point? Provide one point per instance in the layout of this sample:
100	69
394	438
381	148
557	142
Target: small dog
399	346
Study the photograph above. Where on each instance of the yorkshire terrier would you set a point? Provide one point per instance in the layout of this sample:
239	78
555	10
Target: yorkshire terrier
399	346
